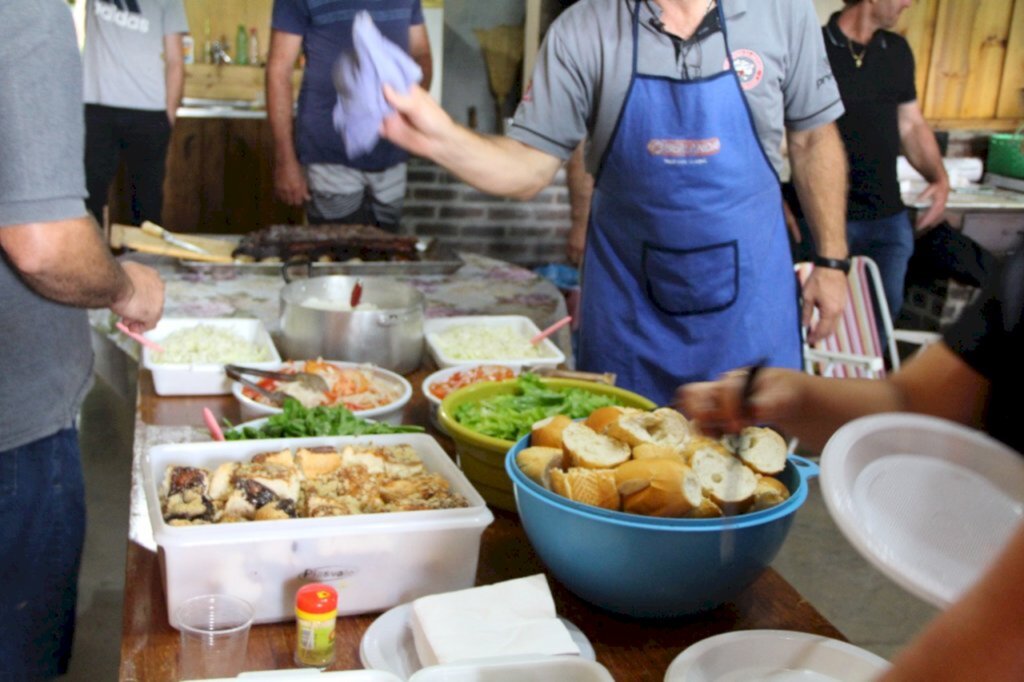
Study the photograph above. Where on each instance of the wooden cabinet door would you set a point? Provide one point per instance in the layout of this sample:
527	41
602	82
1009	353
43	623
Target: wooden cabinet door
220	178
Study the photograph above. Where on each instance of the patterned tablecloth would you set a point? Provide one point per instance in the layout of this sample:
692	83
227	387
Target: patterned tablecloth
483	286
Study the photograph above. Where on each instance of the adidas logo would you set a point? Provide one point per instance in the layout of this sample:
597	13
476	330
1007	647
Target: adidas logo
124	13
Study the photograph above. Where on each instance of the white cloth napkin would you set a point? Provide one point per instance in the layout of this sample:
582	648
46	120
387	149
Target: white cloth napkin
503	619
359	76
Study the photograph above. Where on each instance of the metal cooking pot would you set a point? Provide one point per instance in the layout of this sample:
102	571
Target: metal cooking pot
389	335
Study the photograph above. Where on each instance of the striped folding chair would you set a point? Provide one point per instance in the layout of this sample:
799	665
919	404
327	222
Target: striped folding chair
856	349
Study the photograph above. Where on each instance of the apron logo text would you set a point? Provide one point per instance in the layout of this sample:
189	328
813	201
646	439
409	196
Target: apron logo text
684	148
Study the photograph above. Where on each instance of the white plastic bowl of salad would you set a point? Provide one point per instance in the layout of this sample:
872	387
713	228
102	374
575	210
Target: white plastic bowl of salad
442	382
369	391
488	339
196	350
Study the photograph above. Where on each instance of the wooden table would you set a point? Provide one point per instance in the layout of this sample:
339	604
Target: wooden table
638	650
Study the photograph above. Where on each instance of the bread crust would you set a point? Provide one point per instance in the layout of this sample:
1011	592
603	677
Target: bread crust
726	481
595	487
586	448
548	432
538	461
602	416
658	487
762	449
663	426
769	493
657	451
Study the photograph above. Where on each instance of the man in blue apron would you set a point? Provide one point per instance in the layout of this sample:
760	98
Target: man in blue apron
684	105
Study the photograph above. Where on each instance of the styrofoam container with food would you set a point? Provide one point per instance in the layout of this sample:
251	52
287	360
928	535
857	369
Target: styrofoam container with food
503	339
368	391
195	351
439	384
415	534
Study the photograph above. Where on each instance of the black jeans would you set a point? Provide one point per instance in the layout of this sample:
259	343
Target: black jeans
141	137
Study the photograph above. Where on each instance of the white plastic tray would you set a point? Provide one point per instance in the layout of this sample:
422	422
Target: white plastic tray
552	356
775	655
206	378
928	502
374	560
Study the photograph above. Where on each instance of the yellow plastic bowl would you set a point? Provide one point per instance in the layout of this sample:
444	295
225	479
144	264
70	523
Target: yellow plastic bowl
482	458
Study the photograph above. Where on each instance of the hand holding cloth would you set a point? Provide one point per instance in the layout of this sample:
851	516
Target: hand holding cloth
359	77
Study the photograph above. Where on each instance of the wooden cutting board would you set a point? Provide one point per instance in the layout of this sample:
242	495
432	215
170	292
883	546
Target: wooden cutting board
128	237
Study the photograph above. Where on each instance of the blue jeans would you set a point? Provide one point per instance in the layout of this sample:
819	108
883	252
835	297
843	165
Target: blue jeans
890	243
887	241
42	529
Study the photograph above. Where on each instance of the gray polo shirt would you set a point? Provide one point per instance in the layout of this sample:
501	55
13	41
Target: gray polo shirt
124	51
45	351
584	69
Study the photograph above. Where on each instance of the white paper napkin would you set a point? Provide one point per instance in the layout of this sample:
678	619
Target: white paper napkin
504	619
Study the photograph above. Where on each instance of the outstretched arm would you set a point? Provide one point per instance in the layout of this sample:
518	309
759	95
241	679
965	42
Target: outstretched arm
935	382
490	163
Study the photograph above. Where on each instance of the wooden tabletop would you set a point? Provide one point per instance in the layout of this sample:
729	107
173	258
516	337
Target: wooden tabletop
630	649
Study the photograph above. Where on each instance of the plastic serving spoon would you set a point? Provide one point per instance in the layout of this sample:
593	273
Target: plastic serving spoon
152	345
211	423
551	330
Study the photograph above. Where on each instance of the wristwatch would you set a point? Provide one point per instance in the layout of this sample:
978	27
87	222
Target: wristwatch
842	264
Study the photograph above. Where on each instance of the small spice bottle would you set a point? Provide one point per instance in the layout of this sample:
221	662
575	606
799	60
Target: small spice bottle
316	611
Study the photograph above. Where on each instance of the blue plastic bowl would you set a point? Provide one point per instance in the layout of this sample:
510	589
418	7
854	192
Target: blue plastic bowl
650	567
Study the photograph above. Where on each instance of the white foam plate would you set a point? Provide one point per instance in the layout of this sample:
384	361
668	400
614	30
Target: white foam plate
388	645
775	656
928	502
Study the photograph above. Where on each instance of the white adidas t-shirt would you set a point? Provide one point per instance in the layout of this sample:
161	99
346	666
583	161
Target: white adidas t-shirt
124	46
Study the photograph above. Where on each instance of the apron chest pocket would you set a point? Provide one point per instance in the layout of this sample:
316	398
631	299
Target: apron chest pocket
693	281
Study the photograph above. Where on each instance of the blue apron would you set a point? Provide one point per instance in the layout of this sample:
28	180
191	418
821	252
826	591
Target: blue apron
687	271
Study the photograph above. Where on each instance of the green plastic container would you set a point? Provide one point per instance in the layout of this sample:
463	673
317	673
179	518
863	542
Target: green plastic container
1006	154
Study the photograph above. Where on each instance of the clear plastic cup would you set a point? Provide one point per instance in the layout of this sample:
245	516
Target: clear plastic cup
214	632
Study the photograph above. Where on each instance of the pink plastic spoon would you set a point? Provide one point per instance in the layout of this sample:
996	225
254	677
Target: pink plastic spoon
152	345
551	330
212	425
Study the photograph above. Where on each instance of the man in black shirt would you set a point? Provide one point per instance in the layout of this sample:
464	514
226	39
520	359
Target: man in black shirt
874	69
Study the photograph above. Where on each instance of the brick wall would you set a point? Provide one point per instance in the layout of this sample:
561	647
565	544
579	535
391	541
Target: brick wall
528	233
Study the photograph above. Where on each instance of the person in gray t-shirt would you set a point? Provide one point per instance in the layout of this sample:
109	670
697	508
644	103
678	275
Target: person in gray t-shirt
134	79
684	104
53	265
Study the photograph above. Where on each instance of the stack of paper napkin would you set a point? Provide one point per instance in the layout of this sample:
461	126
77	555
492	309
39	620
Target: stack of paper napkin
504	619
